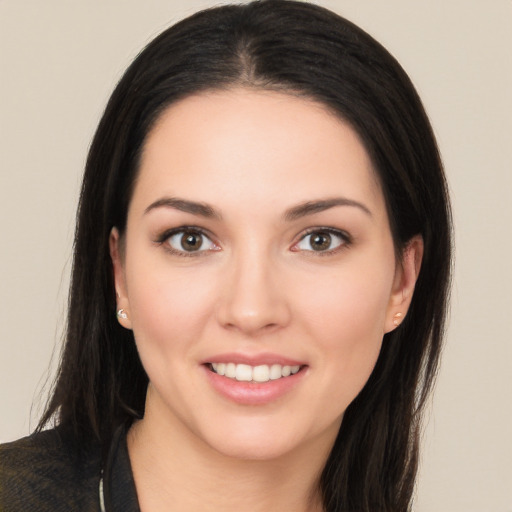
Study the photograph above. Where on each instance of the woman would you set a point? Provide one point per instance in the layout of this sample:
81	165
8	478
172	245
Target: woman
260	279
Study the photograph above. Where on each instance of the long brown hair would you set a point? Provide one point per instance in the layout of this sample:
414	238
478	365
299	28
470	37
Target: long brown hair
307	50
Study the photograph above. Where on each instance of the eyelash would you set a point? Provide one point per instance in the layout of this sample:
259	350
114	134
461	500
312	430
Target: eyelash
346	240
166	235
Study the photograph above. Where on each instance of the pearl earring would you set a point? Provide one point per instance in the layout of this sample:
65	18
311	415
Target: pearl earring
397	319
121	313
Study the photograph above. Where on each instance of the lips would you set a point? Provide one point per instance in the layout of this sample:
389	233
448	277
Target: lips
253	380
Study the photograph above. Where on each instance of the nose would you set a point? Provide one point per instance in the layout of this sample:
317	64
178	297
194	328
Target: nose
253	299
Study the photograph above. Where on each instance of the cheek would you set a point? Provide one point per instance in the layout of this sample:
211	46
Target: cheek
346	306
346	319
168	309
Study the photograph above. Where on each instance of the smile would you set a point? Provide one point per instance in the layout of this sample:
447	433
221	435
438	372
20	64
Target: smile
248	373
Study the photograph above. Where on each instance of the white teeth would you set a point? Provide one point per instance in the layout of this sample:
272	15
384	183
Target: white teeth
230	370
247	373
243	372
275	371
261	373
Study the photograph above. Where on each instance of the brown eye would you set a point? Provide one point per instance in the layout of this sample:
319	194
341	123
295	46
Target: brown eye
322	240
189	241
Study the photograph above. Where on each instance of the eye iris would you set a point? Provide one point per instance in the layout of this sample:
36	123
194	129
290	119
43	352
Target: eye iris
191	241
320	241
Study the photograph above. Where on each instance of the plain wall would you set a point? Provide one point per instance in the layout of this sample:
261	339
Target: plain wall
59	61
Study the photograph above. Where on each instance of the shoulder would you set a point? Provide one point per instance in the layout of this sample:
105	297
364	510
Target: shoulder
48	471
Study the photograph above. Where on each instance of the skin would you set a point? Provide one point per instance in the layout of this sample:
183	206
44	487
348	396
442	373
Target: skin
255	286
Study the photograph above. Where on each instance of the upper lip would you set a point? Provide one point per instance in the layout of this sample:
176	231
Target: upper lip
254	359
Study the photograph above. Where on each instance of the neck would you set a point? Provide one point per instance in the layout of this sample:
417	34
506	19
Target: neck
174	470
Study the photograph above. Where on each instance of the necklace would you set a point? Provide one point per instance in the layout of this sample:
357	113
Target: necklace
101	493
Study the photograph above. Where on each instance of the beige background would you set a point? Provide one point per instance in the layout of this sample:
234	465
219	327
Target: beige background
59	62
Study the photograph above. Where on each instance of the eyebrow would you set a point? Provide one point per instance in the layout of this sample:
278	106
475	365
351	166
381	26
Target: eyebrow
184	205
311	207
294	213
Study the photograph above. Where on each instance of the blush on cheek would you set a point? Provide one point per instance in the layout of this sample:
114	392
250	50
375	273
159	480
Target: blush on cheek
347	323
369	301
167	303
355	311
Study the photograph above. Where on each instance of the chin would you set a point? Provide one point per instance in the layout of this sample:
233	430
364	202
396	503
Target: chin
259	441
256	448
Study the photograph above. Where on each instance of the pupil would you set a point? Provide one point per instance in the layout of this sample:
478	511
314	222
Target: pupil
191	242
320	241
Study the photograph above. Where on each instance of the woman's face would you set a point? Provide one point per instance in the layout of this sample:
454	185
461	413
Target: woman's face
257	246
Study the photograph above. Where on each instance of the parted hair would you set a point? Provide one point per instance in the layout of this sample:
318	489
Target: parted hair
309	51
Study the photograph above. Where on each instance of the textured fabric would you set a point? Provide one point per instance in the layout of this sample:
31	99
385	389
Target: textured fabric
120	493
48	472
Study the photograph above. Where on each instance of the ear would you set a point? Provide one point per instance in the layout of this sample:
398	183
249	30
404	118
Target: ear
406	274
116	255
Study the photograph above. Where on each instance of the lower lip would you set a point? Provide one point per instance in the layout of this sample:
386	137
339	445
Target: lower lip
253	393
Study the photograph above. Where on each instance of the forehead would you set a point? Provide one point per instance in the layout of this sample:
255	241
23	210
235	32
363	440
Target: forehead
254	145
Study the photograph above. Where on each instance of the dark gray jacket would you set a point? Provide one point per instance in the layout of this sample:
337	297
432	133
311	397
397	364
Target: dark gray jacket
47	471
